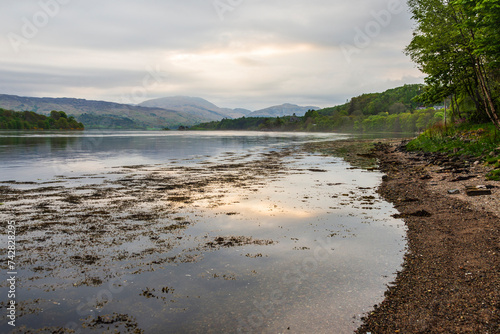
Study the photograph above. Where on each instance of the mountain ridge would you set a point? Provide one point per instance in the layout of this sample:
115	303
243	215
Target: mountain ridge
195	106
176	111
285	109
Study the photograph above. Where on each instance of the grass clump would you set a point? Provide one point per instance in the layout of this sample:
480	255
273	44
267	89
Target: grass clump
481	141
494	175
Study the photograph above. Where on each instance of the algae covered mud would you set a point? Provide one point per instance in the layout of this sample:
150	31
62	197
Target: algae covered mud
141	232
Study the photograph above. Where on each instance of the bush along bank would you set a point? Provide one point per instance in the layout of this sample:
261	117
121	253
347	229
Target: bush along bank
477	142
29	120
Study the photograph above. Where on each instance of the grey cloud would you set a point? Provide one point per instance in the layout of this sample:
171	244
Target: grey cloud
152	32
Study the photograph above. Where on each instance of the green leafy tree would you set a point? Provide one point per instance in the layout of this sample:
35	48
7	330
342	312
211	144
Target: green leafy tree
456	44
55	115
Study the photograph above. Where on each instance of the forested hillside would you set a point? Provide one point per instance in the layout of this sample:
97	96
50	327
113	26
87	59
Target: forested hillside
106	121
394	101
29	120
394	110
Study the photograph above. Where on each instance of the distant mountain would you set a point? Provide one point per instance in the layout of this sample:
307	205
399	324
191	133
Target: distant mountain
286	109
196	107
152	114
245	112
101	114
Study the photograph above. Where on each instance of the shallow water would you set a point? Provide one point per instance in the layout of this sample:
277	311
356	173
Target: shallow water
268	238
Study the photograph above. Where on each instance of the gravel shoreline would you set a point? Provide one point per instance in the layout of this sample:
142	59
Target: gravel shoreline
450	281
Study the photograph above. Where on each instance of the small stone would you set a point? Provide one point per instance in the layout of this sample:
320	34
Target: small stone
478	191
453	191
463	178
477	163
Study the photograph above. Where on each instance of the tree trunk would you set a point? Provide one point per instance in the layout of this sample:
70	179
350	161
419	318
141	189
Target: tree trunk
456	104
480	75
486	89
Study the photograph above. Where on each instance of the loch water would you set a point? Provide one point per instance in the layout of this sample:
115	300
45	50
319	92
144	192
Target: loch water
269	238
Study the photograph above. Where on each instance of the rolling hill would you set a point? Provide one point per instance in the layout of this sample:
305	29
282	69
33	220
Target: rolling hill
196	107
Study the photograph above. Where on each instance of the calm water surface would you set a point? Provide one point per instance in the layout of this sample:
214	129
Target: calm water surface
335	245
25	156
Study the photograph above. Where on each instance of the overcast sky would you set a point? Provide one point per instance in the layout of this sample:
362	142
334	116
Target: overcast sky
234	53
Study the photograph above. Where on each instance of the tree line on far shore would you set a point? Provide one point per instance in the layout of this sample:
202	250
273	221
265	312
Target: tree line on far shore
313	121
29	120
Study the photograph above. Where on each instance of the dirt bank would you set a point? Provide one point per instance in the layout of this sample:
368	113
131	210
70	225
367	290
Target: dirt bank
450	281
